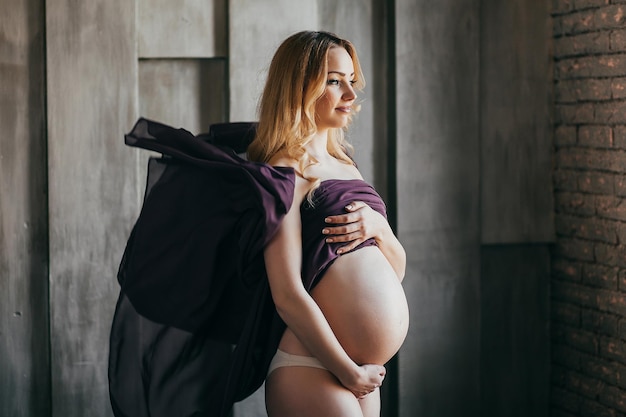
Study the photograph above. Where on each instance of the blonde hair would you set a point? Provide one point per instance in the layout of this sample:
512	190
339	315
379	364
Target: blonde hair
296	80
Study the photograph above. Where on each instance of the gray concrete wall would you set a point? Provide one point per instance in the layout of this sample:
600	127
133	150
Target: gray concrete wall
454	132
516	205
94	193
514	338
437	73
516	123
24	353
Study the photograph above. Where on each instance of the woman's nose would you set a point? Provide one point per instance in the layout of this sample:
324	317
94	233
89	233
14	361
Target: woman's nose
349	94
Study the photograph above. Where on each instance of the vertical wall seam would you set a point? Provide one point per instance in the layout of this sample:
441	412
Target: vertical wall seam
479	128
47	202
392	177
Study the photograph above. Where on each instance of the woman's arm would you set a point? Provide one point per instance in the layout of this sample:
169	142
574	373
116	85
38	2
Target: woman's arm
283	260
360	223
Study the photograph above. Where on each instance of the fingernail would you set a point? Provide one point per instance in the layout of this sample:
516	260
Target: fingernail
329	240
327	220
325	231
349	207
339	251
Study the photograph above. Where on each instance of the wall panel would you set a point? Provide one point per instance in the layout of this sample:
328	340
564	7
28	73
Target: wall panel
189	29
24	342
93	187
515	341
438	214
188	93
516	126
255	31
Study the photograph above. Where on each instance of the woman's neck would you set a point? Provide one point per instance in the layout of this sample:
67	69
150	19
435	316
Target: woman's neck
317	148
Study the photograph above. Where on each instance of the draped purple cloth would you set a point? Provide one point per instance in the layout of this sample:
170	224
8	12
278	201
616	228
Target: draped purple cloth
195	327
330	198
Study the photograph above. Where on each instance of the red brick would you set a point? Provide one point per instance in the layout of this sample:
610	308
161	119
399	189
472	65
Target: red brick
573	293
595	136
586	386
618	88
586	43
576	22
602	323
575	113
617	40
622	330
597	183
620	185
564	355
613	397
610	254
582	4
568	226
575	249
566	270
565	400
565	135
591	408
619	137
611	301
600	159
565	91
593	89
611	207
584	89
610	17
620	230
562	6
565	313
600	276
591	66
610	112
575	203
559	375
615	350
600	369
567	180
585	228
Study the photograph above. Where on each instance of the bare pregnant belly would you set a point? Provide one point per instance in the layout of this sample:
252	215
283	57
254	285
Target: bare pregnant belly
365	305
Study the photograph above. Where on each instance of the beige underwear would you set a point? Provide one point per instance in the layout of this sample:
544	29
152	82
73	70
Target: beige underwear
282	358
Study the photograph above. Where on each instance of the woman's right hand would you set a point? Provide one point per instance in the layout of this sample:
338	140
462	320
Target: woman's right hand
366	381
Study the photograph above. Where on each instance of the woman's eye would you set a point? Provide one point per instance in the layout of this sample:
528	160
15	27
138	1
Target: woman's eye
332	82
352	82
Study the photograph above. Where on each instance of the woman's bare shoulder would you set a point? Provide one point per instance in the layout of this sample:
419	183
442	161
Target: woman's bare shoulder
281	159
302	184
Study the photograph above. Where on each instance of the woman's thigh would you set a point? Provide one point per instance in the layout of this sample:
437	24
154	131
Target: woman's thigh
308	392
370	405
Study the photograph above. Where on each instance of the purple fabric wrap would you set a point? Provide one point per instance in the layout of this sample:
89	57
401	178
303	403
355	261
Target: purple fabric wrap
195	327
330	198
200	236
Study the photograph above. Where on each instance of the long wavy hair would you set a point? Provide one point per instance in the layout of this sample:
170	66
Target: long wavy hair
296	80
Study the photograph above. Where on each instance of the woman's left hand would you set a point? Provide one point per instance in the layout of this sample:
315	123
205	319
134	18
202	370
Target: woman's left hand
360	223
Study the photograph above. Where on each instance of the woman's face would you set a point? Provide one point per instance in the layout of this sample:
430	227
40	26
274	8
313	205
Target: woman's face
333	109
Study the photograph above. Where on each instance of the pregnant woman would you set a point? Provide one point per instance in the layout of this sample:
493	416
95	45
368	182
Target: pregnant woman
281	267
339	292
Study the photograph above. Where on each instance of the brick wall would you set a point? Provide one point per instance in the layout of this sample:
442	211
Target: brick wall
589	258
